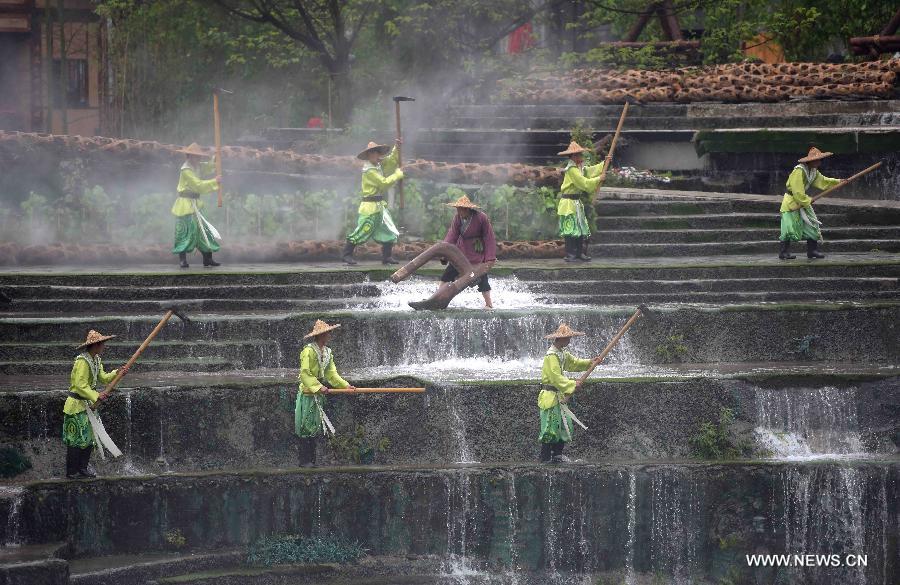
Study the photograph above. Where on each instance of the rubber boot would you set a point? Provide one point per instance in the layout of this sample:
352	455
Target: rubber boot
583	250
73	462
558	457
386	257
785	253
308	452
85	459
347	255
183	257
812	250
570	249
546	452
208	259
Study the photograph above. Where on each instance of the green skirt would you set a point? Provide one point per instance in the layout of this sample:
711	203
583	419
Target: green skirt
794	229
574	225
77	431
307	420
374	226
188	236
552	428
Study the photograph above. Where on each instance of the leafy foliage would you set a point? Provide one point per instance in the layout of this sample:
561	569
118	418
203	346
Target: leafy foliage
286	549
13	462
356	447
717	441
673	348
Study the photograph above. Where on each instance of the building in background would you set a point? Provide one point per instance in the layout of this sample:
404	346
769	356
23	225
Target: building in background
56	77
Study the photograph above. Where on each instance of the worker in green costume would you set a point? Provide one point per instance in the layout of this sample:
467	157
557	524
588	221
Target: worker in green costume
318	375
192	230
557	421
578	180
798	220
374	221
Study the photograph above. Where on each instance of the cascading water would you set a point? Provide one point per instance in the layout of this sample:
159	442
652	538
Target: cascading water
675	531
507	293
807	423
485	347
15	495
457	426
632	528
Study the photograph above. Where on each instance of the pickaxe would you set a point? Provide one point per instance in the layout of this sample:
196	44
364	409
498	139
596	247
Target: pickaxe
397	100
169	312
217	129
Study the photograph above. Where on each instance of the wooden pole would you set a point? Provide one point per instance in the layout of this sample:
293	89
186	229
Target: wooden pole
399	154
377	391
866	171
217	129
140	350
612	149
612	343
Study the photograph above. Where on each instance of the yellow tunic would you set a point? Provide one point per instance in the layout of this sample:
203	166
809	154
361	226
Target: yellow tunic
376	179
189	181
82	384
797	183
577	180
552	375
310	373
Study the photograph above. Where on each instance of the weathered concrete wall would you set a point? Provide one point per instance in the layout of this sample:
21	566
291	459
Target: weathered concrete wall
689	520
251	425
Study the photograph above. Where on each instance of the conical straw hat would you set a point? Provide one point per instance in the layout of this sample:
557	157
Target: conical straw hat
194	149
94	337
319	328
574	148
563	331
380	148
814	154
463	201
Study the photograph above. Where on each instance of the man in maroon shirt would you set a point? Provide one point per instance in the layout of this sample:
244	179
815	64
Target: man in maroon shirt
471	232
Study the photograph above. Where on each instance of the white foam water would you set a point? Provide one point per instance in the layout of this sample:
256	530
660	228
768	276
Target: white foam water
507	292
798	424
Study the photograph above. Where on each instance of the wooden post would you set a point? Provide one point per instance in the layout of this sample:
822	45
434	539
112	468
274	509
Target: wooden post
217	130
399	153
866	171
612	343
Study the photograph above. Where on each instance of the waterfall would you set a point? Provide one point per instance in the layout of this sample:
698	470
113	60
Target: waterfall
129	467
808	422
465	348
513	510
826	512
631	507
16	496
457	566
458	427
674	523
507	292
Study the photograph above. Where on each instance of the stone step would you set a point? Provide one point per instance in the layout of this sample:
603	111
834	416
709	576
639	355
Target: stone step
727	297
144	568
745	332
150	291
803	285
729	235
709	221
725	246
164	422
703	503
243	353
618	207
61	367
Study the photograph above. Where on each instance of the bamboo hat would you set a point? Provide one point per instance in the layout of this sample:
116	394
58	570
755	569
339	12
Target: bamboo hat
319	328
463	201
574	148
815	154
194	149
94	337
379	148
563	331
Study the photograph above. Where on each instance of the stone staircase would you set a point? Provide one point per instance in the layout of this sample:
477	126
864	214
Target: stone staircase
447	483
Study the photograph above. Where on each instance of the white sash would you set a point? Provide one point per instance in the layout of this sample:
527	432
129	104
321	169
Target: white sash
101	438
388	222
203	222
